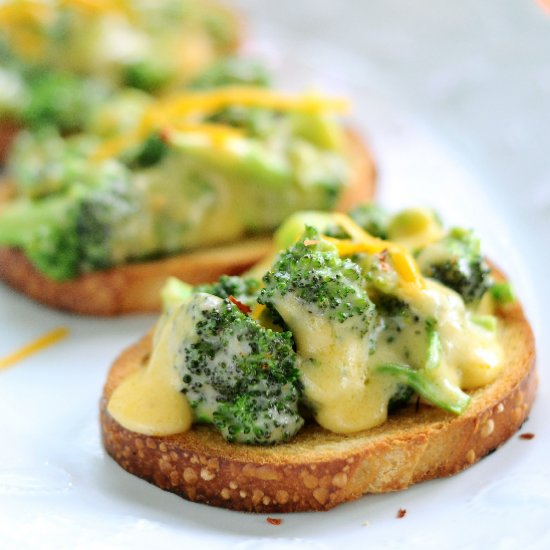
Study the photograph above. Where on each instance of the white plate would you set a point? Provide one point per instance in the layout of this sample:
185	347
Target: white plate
58	489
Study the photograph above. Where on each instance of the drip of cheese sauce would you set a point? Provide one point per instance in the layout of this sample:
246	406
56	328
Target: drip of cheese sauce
150	401
333	369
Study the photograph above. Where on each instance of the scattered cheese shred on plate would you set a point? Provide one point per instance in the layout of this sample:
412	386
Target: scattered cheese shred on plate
40	343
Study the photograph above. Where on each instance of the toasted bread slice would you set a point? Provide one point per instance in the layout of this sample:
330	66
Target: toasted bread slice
318	469
135	287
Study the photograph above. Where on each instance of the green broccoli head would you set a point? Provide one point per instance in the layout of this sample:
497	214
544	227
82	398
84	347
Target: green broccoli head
103	218
312	272
374	219
239	376
42	163
60	99
456	261
245	290
92	225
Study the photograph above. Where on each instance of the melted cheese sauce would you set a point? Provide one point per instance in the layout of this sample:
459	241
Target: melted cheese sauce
333	366
471	355
150	400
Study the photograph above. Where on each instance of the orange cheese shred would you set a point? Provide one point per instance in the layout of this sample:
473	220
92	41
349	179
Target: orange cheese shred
404	264
40	343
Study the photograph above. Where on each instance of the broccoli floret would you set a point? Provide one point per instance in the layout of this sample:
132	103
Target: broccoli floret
94	224
46	236
456	261
43	163
372	218
104	220
245	290
312	271
239	376
60	99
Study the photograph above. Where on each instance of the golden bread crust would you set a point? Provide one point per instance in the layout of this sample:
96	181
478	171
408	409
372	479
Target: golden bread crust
318	470
134	288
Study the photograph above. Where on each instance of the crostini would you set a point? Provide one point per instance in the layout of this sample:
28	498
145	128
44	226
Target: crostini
186	186
375	352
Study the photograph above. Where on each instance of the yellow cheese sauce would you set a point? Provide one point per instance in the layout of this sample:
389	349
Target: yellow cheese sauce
333	370
471	355
150	401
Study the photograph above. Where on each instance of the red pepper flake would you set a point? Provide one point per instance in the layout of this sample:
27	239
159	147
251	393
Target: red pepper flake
243	307
401	513
310	242
274	521
527	435
165	134
384	260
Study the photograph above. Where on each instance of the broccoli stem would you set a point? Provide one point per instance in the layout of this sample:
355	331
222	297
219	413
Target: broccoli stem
488	322
503	293
441	394
433	358
174	293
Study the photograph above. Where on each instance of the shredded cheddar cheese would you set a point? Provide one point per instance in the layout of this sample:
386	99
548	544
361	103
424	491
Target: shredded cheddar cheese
179	113
257	311
23	11
13	12
40	343
100	6
404	264
249	96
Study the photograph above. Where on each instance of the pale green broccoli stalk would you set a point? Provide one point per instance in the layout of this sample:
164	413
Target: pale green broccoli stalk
447	397
442	394
503	293
60	99
239	376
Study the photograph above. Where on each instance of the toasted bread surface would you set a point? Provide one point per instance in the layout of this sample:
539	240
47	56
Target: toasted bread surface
134	288
317	469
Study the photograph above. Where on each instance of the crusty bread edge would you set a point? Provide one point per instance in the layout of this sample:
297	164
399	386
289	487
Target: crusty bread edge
318	470
134	288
